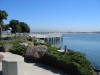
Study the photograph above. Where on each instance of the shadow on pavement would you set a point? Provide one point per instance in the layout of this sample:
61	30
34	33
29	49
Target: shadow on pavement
57	71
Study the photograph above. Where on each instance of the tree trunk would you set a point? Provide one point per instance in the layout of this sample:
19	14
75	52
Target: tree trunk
7	34
0	30
15	35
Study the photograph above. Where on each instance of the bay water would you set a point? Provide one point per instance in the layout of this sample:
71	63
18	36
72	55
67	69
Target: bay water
88	43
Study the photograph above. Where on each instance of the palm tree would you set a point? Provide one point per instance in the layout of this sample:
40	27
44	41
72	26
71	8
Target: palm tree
3	15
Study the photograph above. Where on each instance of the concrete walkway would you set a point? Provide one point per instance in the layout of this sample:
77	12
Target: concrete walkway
36	69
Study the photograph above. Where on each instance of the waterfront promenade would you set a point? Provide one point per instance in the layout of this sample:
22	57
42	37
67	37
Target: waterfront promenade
36	69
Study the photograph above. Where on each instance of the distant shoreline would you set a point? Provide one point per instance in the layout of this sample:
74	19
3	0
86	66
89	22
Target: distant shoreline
63	32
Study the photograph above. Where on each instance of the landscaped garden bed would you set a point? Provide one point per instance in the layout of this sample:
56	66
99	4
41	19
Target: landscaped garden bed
74	63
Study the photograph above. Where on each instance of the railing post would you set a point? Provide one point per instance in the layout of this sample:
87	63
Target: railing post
65	49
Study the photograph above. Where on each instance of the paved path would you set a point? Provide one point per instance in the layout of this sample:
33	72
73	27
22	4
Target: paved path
37	69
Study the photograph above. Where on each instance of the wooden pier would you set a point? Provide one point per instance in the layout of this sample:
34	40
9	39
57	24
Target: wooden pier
54	38
49	35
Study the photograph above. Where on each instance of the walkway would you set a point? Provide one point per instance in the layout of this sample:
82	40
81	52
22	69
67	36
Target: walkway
37	69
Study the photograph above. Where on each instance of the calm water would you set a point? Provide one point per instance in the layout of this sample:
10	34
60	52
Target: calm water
84	43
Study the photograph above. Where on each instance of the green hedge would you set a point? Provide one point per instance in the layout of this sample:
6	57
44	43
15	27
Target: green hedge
29	38
12	42
18	49
73	62
45	43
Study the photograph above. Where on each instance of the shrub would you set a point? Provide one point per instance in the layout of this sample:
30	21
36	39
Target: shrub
7	38
46	43
72	62
18	49
29	38
16	42
13	42
2	42
38	43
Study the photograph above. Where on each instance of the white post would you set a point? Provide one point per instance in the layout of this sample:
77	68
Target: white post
65	49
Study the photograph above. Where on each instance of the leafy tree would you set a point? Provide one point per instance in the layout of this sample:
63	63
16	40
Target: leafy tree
25	28
6	28
3	26
19	27
15	26
19	30
3	15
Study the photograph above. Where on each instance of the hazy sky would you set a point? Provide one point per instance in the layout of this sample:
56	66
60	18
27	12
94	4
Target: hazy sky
55	15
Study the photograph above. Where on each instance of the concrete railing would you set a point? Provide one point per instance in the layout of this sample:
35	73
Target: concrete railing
13	65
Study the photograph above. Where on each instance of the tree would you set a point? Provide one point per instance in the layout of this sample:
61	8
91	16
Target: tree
15	26
5	28
3	15
24	27
19	27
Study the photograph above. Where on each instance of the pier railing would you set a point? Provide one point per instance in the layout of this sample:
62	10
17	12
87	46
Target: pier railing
49	35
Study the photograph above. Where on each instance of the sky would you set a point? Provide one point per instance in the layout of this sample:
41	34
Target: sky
55	15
